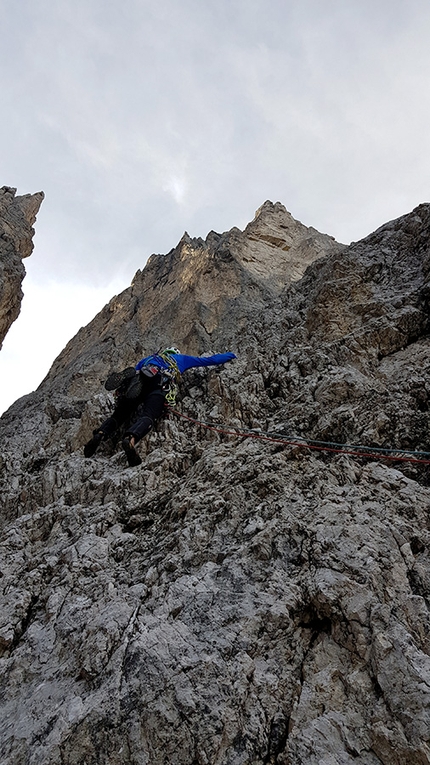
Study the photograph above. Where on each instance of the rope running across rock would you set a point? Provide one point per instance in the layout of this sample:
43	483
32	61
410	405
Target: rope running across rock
394	455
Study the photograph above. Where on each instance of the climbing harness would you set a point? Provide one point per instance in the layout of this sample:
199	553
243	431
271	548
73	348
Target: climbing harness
394	455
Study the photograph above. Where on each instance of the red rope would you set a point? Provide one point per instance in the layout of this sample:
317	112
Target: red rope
261	437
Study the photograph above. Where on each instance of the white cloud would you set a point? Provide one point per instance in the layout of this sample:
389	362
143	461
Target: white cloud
177	187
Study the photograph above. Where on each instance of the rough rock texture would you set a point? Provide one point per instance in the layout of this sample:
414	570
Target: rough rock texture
202	294
17	215
230	601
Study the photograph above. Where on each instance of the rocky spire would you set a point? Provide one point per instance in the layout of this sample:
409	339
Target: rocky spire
198	296
17	215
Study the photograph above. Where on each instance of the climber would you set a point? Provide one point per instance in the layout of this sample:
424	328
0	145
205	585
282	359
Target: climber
141	393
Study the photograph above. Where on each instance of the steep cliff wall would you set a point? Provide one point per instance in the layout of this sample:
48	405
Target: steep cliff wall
231	601
17	215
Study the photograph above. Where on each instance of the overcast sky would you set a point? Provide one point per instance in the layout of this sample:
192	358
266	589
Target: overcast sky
141	119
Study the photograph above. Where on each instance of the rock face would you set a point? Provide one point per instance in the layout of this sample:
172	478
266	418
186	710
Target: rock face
17	215
201	295
232	601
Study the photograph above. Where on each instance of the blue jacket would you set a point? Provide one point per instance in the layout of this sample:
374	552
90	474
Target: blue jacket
186	362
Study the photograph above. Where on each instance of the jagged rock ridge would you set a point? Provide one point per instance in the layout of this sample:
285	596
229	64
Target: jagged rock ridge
200	294
17	215
231	601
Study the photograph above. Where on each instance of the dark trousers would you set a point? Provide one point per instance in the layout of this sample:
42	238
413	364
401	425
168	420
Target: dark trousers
141	414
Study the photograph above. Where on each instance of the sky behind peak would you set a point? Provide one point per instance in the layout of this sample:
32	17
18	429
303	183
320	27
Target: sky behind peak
143	119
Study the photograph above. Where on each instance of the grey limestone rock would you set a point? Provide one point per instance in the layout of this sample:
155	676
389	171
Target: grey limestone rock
17	215
232	601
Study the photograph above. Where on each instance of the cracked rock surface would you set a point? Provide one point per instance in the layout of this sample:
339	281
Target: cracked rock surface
17	215
231	601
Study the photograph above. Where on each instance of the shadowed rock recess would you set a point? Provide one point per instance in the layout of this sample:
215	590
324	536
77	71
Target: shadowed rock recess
17	215
230	601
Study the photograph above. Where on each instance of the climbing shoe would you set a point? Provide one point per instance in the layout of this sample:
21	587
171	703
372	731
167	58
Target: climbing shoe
133	458
134	387
91	447
117	378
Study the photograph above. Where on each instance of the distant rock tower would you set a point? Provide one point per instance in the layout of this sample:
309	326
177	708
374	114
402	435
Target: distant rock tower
17	215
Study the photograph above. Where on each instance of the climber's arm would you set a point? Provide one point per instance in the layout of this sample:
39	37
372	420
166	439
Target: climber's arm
187	362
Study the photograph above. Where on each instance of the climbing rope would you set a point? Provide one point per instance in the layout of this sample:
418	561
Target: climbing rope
394	455
173	366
